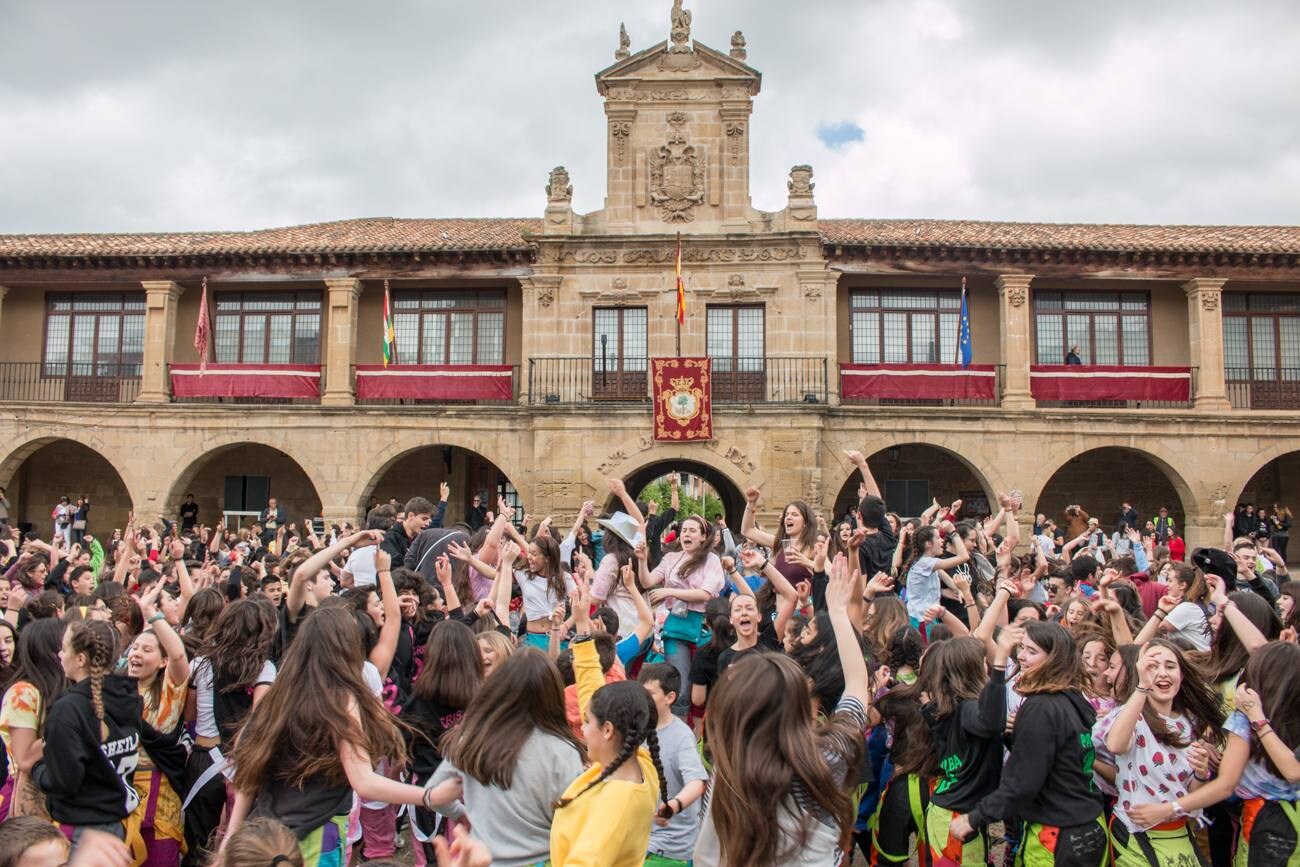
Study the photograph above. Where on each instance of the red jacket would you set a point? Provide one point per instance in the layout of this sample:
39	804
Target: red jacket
1148	591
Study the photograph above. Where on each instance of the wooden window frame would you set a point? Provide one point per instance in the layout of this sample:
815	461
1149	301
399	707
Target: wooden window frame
1119	313
49	366
296	313
476	310
935	312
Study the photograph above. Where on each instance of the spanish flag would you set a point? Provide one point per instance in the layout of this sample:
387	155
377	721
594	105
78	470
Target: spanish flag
390	334
681	286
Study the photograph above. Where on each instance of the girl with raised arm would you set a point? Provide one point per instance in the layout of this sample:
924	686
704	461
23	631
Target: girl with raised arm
781	779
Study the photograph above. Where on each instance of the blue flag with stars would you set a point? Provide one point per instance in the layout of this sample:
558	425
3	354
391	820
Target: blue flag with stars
963	333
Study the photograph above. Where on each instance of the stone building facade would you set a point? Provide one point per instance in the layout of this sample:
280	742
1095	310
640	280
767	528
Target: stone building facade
93	328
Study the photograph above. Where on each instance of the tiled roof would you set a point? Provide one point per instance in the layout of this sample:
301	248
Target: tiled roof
389	235
373	235
1068	236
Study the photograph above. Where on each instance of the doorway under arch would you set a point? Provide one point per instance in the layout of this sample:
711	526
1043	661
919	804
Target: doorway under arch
732	498
912	475
63	467
241	477
419	471
1102	479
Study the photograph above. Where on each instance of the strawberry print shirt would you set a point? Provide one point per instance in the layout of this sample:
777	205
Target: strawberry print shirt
1150	772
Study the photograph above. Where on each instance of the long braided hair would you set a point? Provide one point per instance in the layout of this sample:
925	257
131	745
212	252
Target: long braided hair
627	706
98	641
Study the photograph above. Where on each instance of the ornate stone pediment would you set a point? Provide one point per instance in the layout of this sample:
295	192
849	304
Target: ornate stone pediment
677	172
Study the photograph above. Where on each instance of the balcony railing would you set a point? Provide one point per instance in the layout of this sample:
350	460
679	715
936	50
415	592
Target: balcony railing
1111	386
436	385
246	384
1263	388
58	383
920	384
759	380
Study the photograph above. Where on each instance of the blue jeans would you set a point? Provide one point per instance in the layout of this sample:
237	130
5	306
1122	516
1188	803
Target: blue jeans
677	653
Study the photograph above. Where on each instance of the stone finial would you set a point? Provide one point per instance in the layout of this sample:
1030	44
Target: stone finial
800	183
738	46
681	25
624	44
558	188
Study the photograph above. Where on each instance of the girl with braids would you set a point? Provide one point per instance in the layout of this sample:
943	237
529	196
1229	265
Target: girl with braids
604	816
1258	763
780	791
229	678
543	586
36	683
1153	738
909	773
96	727
966	713
690	577
312	741
157	661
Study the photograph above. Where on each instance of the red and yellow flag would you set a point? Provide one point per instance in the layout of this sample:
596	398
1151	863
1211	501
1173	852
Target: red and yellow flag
681	286
390	335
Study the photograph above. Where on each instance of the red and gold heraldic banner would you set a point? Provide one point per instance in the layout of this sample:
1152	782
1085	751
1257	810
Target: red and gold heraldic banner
683	399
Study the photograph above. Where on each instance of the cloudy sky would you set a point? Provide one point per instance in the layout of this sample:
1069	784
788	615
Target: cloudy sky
243	114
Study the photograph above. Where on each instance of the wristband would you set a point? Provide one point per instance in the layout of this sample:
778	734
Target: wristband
1259	724
425	798
766	563
679	805
156	618
1178	809
1160	614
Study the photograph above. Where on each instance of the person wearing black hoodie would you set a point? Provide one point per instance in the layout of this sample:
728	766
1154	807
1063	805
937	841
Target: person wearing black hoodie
1047	782
94	730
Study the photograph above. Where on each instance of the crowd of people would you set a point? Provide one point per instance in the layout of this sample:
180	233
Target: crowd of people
646	687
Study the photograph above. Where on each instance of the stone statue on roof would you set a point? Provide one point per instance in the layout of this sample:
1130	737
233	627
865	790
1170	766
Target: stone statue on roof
681	21
624	44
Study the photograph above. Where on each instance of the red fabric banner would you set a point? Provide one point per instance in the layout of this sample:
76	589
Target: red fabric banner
918	381
435	382
246	380
682	389
1109	382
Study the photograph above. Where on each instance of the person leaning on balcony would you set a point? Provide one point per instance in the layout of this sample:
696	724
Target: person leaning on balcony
1072	357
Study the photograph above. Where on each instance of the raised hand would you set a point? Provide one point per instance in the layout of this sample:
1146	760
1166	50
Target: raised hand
442	569
838	589
751	495
444	491
459	551
383	561
880	583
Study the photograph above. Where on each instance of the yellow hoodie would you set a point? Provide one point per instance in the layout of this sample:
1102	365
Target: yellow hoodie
609	825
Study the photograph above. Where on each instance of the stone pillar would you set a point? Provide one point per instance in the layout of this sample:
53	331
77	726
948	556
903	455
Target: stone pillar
1017	350
4	290
159	339
1205	338
341	342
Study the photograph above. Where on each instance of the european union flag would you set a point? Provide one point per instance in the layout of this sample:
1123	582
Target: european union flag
963	333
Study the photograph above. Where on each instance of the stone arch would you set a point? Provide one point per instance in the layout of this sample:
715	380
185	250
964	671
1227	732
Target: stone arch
722	473
911	453
300	489
460	460
1099	473
1284	461
77	465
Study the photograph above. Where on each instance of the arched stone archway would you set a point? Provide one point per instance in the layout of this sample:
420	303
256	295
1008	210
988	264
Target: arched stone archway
727	489
1100	479
418	472
240	476
43	469
1273	479
912	474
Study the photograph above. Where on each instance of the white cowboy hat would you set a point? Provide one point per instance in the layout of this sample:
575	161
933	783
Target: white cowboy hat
622	525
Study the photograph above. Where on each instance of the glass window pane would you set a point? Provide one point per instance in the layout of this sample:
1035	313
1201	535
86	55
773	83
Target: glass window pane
133	301
132	344
605	345
749	338
1137	352
462	338
405	300
60	303
948	324
866	338
895	338
228	301
1289	348
307	301
433	350
902	299
1263	348
56	344
406	332
1236	357
924	350
1047	300
306	340
1235	301
266	301
634	339
254	351
1049	339
719	337
108	341
281	337
97	302
226	347
83	344
1107	335
1077	333
950	300
491	338
1134	301
866	299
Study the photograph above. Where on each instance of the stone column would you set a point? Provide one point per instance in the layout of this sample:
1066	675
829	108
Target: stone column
4	291
1205	339
1017	350
159	339
341	341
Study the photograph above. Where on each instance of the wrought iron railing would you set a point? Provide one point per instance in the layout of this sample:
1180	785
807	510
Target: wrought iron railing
1263	387
559	381
94	382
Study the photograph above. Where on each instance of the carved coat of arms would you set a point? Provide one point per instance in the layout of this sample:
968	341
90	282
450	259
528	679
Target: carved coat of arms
677	180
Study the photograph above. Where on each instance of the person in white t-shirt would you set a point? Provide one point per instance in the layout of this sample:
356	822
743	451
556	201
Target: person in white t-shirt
1183	612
